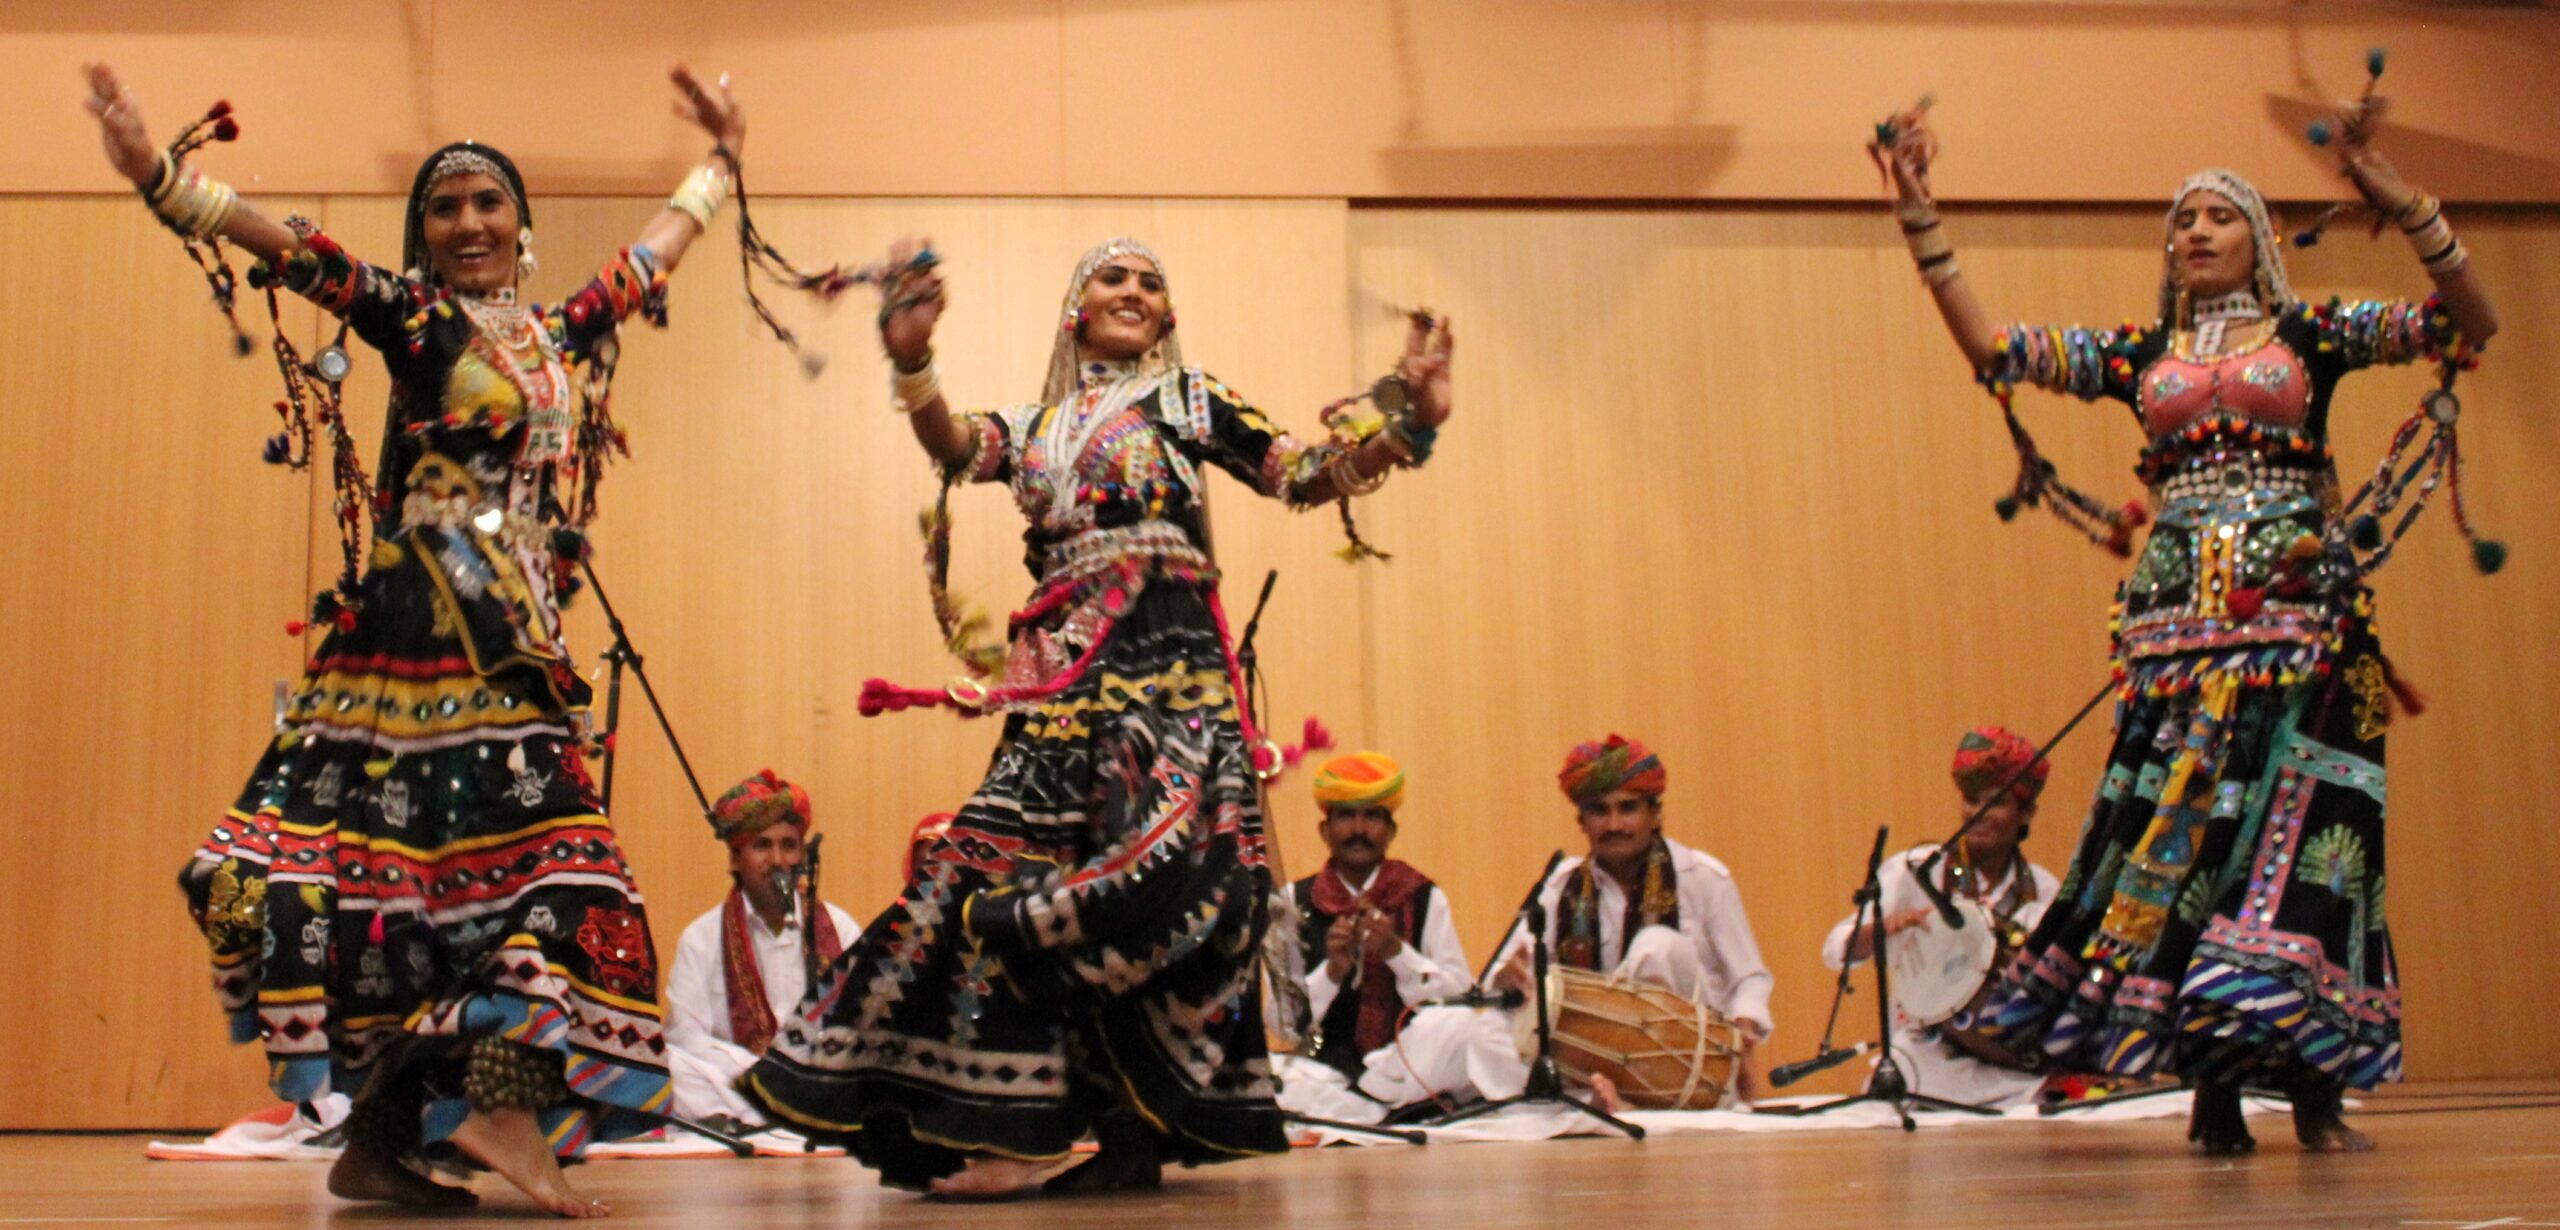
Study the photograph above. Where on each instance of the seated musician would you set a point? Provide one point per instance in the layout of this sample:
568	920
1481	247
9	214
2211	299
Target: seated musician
1640	906
1377	940
741	967
1987	867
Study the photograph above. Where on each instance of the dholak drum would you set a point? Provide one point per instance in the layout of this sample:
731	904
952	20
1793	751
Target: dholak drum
1941	978
1661	1051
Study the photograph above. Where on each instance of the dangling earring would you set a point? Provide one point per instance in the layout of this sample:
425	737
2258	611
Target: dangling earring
525	264
1168	322
2186	316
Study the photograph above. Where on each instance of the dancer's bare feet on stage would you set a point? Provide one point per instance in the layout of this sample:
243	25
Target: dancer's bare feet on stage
1604	1095
2319	1119
1130	1160
363	1174
988	1177
2217	1126
511	1143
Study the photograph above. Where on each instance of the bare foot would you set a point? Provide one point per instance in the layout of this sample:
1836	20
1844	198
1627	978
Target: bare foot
2217	1126
2319	1117
2336	1137
1123	1165
988	1177
362	1174
1604	1094
511	1143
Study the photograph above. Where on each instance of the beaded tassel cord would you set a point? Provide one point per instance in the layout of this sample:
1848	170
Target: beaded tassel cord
216	124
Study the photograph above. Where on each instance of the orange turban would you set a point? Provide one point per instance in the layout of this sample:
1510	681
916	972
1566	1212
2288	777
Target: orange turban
1361	779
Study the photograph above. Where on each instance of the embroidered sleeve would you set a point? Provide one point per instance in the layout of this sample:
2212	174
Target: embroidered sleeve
2365	332
1217	425
630	284
990	443
375	302
2076	362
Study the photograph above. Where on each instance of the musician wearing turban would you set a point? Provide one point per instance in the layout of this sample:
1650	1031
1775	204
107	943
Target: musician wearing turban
741	968
2001	774
1638	905
1377	939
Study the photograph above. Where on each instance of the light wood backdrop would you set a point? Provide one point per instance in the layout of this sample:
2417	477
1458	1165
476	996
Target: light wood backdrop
1716	481
1364	99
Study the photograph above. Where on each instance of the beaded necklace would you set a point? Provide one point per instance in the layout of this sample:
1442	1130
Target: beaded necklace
511	339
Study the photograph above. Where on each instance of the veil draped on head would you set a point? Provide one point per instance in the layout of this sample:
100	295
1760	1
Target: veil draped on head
459	158
2268	279
1167	353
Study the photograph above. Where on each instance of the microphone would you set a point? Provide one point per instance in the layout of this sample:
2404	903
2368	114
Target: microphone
1947	911
1788	1074
1478	997
785	885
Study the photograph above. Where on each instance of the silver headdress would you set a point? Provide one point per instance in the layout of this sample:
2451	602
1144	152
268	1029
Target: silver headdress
2273	289
1167	353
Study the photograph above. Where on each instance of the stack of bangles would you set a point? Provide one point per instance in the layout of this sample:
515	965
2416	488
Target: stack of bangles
1929	246
188	201
703	192
2422	220
910	391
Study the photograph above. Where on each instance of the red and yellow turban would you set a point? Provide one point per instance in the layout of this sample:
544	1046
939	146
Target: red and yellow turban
1615	763
757	804
1361	779
1987	755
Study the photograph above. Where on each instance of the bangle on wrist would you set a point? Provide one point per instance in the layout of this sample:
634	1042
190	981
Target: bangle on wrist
910	391
702	194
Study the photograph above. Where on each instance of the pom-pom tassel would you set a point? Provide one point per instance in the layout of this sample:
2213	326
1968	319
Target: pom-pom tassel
2488	555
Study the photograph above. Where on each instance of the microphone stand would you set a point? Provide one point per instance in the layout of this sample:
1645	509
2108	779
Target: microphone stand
1887	1085
620	653
1249	666
1546	1083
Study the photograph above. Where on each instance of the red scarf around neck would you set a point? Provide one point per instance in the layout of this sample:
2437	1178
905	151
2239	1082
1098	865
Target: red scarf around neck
751	1021
1397	892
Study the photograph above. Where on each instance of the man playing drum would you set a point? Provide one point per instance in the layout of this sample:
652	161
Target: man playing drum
1378	942
1640	907
1935	970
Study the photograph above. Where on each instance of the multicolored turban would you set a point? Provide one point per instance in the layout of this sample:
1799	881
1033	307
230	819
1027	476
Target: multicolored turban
1987	755
757	804
1614	763
1361	779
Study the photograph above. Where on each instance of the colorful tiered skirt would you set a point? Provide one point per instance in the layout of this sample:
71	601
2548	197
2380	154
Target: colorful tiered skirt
420	861
1081	941
2223	917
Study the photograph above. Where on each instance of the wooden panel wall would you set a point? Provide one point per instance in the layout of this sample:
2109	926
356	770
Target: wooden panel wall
1717	481
1410	99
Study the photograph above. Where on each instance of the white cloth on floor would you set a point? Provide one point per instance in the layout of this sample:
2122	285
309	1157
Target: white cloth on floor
1928	1065
703	1056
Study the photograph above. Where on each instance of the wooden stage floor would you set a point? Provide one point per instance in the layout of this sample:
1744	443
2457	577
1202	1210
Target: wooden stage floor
2480	1156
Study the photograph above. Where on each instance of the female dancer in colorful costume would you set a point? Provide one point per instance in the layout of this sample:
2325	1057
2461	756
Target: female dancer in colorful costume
1076	952
2223	916
418	899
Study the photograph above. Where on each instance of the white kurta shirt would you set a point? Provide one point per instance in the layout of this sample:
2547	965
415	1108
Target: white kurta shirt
700	1046
1931	1066
1711	919
1437	969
